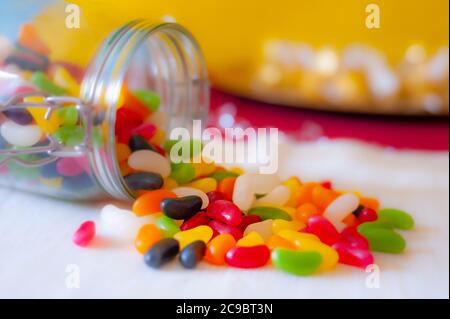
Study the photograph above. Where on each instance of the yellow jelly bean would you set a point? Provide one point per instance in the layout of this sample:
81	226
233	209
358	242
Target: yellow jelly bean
38	113
237	170
207	184
64	79
310	242
294	184
52	182
186	237
281	224
159	137
202	167
170	183
252	239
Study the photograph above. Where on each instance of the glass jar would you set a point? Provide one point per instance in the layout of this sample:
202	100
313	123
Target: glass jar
82	163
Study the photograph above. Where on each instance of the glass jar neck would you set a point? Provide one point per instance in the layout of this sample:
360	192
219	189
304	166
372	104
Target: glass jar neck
167	59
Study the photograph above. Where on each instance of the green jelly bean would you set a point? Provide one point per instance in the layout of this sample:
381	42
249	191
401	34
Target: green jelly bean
385	240
41	80
23	173
187	149
182	172
69	135
150	99
167	226
97	137
68	116
300	263
398	218
219	176
267	212
378	224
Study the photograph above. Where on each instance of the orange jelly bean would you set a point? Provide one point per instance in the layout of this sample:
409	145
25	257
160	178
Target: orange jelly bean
350	220
226	187
276	241
122	152
131	102
371	203
322	197
304	194
147	236
218	247
149	202
305	211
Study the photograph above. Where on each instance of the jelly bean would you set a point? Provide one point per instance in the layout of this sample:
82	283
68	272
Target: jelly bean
145	130
150	99
144	181
358	210
203	167
322	197
133	103
248	257
206	184
39	114
40	80
226	187
147	236
351	237
294	184
280	224
126	120
125	169
327	184
219	176
225	212
120	222
189	191
237	170
221	228
385	240
68	115
162	252
304	194
20	135
353	256
170	183
264	183
297	237
64	79
182	172
50	182
266	212
323	229
84	234
197	220
362	228
247	220
183	149
371	203
192	254
148	161
186	237
350	220
19	116
69	135
276	241
218	247
167	226
214	195
30	39
398	218
181	208
279	196
305	211
264	228
158	139
251	239
150	202
300	263
69	167
122	152
340	208
367	215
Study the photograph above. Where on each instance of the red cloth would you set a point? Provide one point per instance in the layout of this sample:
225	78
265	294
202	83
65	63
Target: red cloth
402	132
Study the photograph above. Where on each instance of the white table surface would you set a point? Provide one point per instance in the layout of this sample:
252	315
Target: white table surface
36	249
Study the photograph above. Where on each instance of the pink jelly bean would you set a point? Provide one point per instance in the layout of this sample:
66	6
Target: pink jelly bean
69	167
214	195
248	220
83	162
353	256
221	228
367	215
146	130
84	234
197	220
3	169
324	229
225	211
350	236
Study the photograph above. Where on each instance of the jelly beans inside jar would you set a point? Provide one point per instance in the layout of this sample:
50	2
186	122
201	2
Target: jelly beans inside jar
86	131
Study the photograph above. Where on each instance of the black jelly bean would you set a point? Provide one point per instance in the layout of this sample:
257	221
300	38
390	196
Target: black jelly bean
49	170
76	183
19	116
144	180
358	210
162	252
182	207
27	59
139	143
192	254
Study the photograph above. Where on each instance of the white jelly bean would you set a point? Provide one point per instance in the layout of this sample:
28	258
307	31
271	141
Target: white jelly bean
20	135
263	228
243	193
265	183
149	161
340	208
279	196
189	191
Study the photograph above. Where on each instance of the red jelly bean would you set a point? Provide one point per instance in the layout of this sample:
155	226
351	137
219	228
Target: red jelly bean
221	228
324	229
327	185
197	220
146	130
126	118
248	257
84	234
351	237
367	215
306	230
214	195
248	220
225	211
353	256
